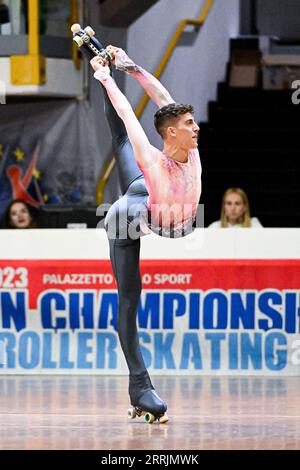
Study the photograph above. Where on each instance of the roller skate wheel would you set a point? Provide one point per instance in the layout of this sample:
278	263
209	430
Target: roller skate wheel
75	28
131	413
89	31
78	41
149	418
163	419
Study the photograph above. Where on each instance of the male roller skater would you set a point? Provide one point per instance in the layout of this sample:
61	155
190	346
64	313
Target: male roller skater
161	192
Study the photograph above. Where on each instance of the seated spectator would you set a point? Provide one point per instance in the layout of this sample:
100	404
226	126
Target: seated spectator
235	211
19	215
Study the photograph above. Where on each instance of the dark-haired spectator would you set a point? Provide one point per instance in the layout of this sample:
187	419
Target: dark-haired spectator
19	215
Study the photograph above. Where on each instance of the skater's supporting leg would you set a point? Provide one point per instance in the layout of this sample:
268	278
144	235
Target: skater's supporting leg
124	255
125	261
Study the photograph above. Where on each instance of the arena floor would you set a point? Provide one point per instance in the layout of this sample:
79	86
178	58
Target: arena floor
90	412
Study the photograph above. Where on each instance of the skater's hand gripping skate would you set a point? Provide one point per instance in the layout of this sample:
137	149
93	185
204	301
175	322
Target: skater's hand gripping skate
121	60
112	51
99	63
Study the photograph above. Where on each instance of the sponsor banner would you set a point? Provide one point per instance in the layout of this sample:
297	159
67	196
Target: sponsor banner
194	317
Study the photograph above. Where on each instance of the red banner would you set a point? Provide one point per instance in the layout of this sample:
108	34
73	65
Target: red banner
40	275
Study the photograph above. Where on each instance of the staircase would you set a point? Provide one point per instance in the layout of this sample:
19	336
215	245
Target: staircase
252	141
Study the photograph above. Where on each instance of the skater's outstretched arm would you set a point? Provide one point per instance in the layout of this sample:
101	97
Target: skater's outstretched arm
154	89
145	153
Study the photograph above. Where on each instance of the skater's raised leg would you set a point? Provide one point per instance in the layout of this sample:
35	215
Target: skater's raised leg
126	163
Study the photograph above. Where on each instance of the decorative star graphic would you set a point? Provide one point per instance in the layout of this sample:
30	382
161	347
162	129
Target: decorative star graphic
19	155
37	174
20	180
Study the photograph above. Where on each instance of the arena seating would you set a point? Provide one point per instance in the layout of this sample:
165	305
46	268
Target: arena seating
251	141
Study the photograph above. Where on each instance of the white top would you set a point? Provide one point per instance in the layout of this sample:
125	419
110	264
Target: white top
255	223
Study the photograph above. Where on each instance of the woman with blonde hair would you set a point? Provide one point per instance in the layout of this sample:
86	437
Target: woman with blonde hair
235	211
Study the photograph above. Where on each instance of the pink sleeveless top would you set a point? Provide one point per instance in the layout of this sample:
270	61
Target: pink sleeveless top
174	191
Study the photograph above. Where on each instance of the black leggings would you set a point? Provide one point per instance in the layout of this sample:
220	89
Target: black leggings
125	250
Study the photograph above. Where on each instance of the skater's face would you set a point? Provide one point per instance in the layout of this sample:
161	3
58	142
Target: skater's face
19	216
186	131
234	208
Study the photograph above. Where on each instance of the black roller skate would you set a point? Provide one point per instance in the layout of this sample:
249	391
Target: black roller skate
88	43
145	401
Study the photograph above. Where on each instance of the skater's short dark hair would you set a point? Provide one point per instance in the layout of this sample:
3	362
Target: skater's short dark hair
164	117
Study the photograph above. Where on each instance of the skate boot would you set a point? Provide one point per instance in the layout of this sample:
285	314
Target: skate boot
145	401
